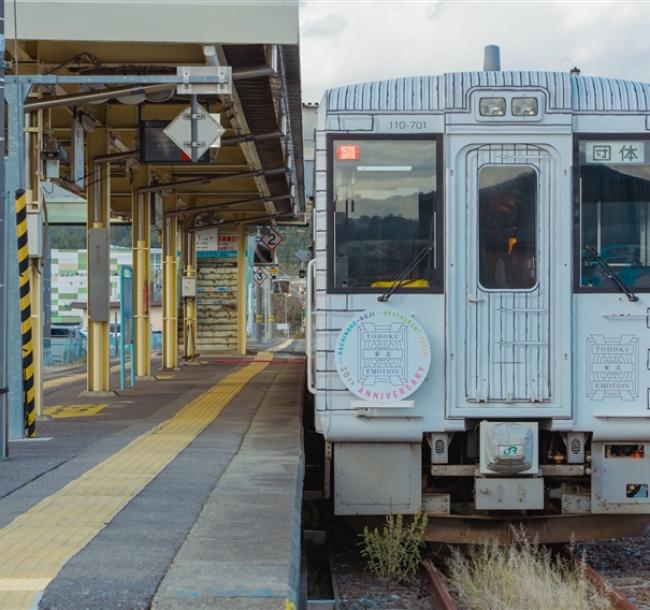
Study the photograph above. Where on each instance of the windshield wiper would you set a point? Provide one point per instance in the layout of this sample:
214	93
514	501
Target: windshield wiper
611	274
401	280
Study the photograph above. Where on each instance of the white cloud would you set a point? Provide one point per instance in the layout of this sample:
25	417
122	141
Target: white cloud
355	41
327	26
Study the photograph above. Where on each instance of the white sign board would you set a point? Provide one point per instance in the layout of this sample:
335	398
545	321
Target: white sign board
259	275
188	288
271	239
207	240
383	355
622	152
209	131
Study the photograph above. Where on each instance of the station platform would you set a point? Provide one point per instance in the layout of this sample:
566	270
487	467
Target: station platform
183	493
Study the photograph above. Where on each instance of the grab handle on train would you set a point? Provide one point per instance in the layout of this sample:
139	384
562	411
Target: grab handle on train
311	265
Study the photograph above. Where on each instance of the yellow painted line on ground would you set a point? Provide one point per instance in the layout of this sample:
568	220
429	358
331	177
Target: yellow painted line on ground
282	346
59	381
23	584
164	377
81	410
37	544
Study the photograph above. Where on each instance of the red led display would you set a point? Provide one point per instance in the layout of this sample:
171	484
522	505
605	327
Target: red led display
347	152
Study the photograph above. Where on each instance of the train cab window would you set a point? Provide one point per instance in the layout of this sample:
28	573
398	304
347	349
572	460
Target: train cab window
507	226
614	213
385	206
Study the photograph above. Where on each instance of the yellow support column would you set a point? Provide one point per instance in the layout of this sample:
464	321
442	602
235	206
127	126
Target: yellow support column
189	303
170	294
37	333
98	195
242	268
140	234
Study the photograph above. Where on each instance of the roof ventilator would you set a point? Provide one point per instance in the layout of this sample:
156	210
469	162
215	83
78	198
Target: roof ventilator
492	58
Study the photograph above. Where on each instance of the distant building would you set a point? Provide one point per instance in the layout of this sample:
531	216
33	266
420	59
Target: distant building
69	277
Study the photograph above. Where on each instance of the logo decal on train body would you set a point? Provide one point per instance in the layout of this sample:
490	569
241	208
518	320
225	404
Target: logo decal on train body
383	355
613	367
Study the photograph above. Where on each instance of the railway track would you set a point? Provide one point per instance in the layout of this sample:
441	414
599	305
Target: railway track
440	596
441	599
618	601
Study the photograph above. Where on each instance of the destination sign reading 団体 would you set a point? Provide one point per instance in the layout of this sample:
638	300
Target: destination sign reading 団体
623	152
383	355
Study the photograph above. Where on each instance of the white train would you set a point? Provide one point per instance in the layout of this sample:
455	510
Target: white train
479	327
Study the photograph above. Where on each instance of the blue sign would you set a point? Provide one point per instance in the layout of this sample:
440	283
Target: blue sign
127	322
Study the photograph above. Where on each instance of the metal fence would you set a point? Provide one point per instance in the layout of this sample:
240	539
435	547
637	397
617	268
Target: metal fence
71	350
64	351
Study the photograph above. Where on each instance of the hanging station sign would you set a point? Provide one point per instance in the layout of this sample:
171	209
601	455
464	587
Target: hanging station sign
211	243
383	355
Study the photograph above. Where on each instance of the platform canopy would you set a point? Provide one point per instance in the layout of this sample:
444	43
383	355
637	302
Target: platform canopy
256	174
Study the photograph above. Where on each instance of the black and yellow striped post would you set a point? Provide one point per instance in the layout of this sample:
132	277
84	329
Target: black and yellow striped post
25	314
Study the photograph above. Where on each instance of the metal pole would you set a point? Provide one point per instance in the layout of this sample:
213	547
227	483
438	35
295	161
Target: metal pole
242	272
14	180
286	312
122	331
98	96
218	206
170	300
207	178
4	244
259	315
194	118
268	329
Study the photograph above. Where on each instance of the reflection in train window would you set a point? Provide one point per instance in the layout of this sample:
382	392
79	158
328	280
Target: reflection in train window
384	195
614	211
507	219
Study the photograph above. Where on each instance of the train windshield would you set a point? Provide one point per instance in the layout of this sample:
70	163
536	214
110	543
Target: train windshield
384	194
614	212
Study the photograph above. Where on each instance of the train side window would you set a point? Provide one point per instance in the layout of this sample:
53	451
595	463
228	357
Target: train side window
507	212
385	203
614	212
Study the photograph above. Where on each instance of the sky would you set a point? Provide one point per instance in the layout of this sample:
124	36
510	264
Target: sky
352	41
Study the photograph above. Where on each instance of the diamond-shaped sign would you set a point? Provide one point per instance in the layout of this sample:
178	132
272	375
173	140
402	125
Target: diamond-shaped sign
259	275
271	238
209	132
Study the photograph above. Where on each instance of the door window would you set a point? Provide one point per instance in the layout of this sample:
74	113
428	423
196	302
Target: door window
507	228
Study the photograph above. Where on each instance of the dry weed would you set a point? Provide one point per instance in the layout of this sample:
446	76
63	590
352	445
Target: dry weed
522	576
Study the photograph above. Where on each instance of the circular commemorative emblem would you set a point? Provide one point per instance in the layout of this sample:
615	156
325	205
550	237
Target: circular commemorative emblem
383	354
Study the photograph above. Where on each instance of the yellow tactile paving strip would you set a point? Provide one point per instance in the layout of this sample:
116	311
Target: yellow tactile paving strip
282	346
35	546
77	410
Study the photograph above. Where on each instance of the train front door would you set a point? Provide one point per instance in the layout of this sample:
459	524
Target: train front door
507	322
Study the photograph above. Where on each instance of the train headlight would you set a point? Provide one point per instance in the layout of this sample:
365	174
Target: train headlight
492	106
524	106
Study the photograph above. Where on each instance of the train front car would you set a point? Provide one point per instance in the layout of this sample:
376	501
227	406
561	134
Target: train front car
481	315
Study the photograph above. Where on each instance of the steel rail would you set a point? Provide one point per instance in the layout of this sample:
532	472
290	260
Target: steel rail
440	597
618	601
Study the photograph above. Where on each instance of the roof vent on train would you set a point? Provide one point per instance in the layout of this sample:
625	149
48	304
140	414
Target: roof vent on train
492	58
